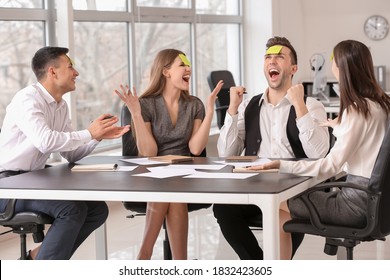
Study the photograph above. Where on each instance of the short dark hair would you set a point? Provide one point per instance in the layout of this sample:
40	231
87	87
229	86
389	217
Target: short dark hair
282	41
43	57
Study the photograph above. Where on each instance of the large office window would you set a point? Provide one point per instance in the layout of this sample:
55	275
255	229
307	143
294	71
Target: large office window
223	54
19	39
100	5
21	4
101	58
115	42
165	3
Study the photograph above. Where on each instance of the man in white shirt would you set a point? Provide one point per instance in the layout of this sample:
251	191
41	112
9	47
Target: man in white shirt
37	124
281	123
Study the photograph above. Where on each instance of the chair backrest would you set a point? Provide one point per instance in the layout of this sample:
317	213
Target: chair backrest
223	100
380	184
129	146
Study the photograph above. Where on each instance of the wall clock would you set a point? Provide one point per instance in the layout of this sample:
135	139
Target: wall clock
376	27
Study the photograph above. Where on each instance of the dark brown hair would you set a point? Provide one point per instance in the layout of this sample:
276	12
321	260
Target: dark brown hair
44	57
282	41
356	78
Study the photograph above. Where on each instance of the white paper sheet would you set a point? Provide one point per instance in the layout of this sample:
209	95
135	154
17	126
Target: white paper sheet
143	161
259	161
196	166
164	172
214	175
126	168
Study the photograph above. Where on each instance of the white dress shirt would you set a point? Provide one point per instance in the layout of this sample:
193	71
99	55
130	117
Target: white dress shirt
35	126
357	146
273	122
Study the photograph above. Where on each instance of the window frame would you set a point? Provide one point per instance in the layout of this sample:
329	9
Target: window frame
62	13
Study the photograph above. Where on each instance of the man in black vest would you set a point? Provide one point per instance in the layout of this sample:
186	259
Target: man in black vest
280	123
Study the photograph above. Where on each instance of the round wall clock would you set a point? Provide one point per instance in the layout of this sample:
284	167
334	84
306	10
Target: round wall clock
376	27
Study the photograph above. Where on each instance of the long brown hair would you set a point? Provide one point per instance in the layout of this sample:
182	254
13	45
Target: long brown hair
164	59
356	79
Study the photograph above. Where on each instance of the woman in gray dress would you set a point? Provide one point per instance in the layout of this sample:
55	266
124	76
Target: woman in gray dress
167	120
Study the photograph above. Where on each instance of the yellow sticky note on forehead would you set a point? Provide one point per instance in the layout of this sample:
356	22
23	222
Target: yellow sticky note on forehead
274	49
71	61
185	60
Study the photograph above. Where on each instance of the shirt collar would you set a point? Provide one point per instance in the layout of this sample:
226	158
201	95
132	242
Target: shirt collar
264	98
48	97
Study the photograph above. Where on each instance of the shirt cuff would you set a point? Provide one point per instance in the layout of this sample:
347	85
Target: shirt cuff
286	166
85	136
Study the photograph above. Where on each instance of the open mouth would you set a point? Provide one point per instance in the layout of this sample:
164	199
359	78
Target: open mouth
273	73
186	78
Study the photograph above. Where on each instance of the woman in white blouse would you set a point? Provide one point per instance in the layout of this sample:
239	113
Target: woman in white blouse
359	129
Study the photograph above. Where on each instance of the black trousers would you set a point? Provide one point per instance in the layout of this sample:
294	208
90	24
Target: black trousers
233	221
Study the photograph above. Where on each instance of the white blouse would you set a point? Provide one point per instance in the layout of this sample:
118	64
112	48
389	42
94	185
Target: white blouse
357	146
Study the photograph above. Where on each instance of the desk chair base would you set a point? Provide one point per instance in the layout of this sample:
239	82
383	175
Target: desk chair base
25	223
332	245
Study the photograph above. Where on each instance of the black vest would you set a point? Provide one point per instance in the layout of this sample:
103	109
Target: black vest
252	129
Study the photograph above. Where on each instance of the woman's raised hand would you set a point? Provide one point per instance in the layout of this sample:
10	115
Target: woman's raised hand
130	98
213	96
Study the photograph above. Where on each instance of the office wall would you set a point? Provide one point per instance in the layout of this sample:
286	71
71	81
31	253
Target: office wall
312	26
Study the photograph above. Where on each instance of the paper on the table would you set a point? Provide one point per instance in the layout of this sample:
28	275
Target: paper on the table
197	166
214	175
142	161
164	172
126	168
259	161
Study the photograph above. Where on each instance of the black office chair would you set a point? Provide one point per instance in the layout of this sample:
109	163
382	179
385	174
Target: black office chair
378	210
129	148
24	223
223	100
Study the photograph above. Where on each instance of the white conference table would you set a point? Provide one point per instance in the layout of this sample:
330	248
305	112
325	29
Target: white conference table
266	190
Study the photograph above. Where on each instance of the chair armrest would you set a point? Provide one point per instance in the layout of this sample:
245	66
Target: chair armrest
339	184
314	217
9	211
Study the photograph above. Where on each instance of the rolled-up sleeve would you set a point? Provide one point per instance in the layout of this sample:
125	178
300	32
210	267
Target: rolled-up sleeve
314	138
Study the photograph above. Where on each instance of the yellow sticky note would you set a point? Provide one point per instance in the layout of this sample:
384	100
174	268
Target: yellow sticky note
331	56
274	49
185	60
71	61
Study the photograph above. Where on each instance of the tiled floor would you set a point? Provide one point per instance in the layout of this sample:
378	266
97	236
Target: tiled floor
205	241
